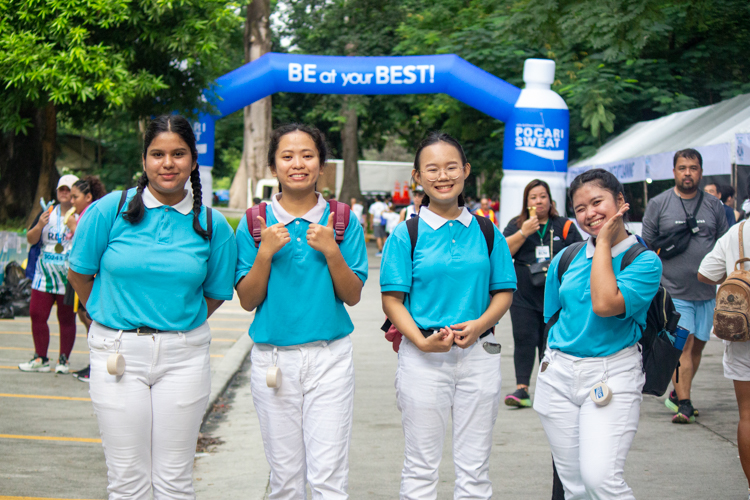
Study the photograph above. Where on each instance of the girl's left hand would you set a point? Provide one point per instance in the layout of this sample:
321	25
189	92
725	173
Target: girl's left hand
466	333
322	238
612	228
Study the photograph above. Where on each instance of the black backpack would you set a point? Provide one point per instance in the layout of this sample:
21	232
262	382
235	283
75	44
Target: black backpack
660	357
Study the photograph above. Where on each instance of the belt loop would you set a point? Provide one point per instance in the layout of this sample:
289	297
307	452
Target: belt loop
605	375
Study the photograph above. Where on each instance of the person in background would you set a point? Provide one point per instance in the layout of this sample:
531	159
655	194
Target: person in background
357	209
693	300
256	201
715	190
714	269
485	210
378	228
49	283
417	195
537	234
83	193
727	197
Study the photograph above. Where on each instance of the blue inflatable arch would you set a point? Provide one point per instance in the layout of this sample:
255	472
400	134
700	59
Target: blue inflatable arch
536	138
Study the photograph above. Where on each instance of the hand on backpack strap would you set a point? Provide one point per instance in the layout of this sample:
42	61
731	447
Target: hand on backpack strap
323	238
273	238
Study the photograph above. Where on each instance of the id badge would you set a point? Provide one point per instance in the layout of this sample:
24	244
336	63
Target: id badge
542	253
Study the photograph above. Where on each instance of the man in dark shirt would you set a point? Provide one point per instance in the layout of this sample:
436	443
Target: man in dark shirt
718	191
685	205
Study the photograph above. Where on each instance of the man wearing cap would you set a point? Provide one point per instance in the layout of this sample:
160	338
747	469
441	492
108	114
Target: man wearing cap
417	195
50	280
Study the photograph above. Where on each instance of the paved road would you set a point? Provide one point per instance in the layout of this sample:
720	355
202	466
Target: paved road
667	461
50	447
49	438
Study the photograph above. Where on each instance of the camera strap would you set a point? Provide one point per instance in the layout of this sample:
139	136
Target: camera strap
697	207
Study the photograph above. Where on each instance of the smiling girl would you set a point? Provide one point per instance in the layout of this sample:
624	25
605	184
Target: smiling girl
445	296
298	279
150	276
602	311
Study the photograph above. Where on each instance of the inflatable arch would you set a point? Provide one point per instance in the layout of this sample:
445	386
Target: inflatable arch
536	118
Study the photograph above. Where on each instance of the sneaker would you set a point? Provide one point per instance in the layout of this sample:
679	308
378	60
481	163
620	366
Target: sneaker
36	364
674	404
519	399
83	375
63	365
378	254
684	413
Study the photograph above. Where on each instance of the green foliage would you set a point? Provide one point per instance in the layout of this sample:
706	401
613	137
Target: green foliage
93	57
618	61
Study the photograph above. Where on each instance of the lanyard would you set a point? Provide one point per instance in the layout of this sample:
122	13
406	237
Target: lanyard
544	231
60	227
697	207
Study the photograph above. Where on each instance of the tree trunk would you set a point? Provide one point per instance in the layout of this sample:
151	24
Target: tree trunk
350	146
257	130
27	166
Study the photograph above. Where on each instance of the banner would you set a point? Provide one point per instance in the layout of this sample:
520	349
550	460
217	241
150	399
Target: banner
743	149
716	161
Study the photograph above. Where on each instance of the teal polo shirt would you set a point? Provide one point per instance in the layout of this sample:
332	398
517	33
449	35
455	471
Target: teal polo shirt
154	273
451	277
581	333
301	305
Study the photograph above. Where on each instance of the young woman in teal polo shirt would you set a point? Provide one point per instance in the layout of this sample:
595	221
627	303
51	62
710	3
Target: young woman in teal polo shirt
445	298
150	272
593	344
298	280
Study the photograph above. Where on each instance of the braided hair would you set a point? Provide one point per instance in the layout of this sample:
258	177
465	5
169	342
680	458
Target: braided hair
180	126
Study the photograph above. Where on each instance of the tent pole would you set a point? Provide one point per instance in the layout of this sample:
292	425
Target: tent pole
645	195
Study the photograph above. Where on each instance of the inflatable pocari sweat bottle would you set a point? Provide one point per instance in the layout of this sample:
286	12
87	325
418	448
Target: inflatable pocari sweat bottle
536	140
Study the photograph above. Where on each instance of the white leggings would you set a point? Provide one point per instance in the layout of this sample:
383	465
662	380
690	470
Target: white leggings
590	443
150	416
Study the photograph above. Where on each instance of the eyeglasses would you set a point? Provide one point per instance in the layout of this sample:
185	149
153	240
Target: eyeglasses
433	173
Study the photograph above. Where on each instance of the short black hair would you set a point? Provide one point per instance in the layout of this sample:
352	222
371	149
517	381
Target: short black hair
689	153
725	191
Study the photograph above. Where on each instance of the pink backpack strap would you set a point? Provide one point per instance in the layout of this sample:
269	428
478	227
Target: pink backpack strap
340	213
253	225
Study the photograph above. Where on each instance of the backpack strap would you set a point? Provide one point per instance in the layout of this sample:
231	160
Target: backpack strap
123	199
253	225
209	222
633	252
412	225
569	253
566	229
742	243
488	230
341	213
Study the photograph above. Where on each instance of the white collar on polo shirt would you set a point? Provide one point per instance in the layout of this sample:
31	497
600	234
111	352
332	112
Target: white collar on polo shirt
313	216
436	222
616	250
184	207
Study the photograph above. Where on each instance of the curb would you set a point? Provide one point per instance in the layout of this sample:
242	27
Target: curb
229	366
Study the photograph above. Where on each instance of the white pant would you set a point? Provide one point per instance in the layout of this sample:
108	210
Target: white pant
464	383
306	423
150	416
590	443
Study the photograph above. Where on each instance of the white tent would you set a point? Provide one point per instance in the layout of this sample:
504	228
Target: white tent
646	149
